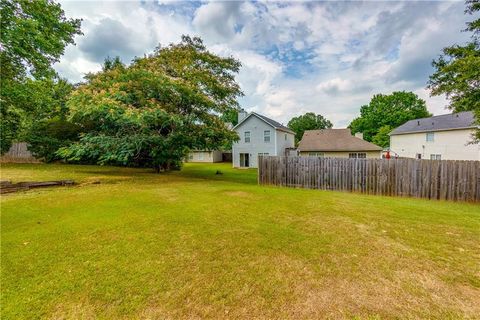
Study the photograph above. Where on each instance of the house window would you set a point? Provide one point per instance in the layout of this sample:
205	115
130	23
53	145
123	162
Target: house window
418	156
263	154
316	154
247	136
200	156
266	136
430	136
435	157
190	156
285	137
357	155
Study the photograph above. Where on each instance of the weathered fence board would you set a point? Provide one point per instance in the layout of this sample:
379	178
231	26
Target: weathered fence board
431	179
18	153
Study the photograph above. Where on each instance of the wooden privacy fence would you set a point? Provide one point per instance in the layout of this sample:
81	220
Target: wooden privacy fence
18	153
432	179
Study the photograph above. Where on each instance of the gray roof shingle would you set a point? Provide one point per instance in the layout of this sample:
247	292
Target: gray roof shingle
450	121
274	123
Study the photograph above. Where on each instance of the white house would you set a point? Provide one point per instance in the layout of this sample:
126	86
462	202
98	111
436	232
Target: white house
445	137
259	135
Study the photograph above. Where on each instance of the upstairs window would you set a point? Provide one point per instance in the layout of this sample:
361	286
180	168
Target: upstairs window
430	136
247	136
435	157
266	136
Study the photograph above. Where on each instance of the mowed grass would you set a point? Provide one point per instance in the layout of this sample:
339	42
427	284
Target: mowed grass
193	244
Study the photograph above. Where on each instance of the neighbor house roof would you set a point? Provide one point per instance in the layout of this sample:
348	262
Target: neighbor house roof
273	123
452	121
334	140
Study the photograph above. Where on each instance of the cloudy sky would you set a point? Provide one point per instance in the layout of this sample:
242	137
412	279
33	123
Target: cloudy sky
326	57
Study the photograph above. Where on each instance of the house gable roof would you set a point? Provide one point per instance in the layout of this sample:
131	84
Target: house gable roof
334	140
451	121
276	125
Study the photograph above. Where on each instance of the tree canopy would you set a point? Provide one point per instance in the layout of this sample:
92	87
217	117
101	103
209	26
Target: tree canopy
308	121
457	70
386	112
33	36
153	111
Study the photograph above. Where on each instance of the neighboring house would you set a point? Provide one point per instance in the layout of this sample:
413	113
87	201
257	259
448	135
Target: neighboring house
336	143
445	137
259	135
205	156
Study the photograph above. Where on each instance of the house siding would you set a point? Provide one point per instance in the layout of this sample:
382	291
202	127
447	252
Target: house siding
282	144
451	145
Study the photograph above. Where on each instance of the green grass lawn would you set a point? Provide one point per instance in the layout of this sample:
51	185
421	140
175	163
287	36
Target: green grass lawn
193	244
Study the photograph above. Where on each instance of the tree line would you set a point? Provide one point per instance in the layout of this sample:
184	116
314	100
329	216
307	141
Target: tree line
152	111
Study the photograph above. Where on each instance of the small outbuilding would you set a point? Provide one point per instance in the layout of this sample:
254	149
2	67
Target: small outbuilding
205	156
337	143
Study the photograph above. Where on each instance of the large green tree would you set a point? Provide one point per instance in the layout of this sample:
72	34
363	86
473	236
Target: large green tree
386	112
153	111
457	70
33	36
47	129
308	121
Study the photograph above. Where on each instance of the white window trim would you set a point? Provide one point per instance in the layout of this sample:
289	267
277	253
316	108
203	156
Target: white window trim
245	137
431	134
265	136
357	155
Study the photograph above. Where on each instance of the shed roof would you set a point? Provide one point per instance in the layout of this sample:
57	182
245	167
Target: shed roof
451	121
334	140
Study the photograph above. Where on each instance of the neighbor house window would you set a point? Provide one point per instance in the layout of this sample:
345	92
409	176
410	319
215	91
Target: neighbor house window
266	136
357	155
430	136
435	157
247	136
285	137
263	154
316	154
418	156
190	156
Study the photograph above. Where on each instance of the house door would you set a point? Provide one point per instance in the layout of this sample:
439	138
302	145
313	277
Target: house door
244	160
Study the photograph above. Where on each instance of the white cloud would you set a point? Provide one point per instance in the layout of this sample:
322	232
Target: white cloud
325	57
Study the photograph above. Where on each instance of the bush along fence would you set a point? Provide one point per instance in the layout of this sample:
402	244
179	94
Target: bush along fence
432	179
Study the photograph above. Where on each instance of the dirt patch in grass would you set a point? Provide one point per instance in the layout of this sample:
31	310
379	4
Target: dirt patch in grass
238	194
67	311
